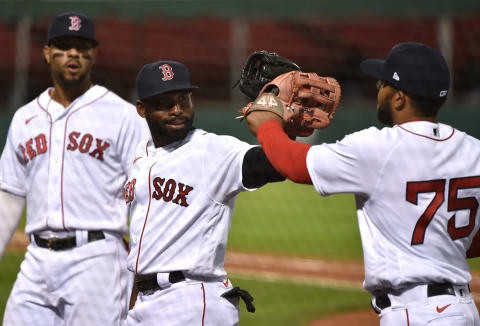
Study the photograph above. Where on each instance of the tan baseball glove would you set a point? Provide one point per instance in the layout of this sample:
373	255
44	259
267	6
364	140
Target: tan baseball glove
305	101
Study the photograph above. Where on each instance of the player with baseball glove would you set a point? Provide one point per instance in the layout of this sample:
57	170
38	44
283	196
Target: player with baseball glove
416	186
185	182
305	101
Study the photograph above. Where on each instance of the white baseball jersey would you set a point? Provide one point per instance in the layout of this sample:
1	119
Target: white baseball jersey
417	190
181	198
71	163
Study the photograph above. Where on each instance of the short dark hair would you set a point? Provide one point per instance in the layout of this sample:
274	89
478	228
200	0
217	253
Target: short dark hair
429	107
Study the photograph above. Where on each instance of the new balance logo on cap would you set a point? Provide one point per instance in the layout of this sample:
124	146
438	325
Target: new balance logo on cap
395	76
443	93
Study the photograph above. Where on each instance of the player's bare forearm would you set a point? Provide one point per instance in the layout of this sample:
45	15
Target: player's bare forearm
11	209
257	118
286	155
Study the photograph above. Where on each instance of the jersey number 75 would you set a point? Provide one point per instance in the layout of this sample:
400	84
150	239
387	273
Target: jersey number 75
454	204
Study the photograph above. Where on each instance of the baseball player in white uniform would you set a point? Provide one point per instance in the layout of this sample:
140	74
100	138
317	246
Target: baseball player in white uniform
67	154
181	192
416	185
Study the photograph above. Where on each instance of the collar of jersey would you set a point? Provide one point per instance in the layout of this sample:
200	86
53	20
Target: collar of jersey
424	128
93	92
172	146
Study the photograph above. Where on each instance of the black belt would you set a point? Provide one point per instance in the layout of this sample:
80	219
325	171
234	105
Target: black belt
148	282
383	301
67	242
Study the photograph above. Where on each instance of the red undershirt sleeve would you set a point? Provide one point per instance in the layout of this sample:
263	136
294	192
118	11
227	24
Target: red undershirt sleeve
287	156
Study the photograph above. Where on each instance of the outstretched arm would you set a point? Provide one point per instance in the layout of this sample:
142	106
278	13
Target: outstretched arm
286	155
257	170
11	209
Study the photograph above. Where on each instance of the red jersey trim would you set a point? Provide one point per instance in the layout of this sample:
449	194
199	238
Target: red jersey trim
44	109
204	305
431	138
146	217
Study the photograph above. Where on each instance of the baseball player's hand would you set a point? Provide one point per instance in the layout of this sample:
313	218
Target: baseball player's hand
305	101
237	292
257	118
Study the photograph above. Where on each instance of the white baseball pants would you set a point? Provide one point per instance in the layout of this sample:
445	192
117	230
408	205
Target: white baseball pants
413	308
86	285
191	303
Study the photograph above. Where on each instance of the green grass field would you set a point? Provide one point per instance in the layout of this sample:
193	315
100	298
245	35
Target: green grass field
292	219
289	304
279	303
9	265
288	219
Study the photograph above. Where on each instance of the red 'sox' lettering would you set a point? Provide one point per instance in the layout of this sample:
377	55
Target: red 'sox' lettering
84	144
166	191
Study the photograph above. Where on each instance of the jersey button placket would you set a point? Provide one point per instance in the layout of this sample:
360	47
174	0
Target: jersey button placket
55	172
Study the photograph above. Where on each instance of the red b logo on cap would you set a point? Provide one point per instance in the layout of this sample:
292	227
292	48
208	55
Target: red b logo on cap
75	23
167	72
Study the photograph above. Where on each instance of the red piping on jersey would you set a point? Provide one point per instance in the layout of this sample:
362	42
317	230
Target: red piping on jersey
408	320
453	131
146	216
136	159
204	305
49	141
63	152
287	156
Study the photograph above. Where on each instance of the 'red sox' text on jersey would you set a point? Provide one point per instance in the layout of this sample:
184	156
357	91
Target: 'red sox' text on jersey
51	144
180	217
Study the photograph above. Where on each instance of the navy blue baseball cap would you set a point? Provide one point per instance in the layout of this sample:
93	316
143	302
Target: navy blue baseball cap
162	76
414	68
71	24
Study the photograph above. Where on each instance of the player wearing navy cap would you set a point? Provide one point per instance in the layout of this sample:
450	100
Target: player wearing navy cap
416	185
181	192
67	155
